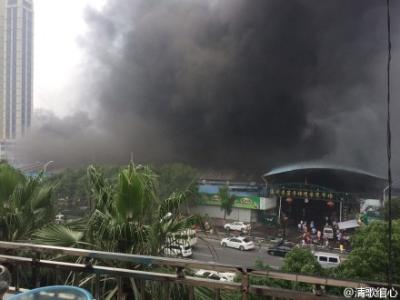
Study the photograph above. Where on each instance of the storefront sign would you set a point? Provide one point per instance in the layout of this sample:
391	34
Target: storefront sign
250	202
287	192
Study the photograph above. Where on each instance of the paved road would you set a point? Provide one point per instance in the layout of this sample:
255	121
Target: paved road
218	254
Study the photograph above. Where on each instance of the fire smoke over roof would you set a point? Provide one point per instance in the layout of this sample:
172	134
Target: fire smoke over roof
229	84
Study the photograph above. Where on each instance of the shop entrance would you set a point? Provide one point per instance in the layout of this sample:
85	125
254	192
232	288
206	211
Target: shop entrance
309	210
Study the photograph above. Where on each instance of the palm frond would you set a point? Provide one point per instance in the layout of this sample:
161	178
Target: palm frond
58	235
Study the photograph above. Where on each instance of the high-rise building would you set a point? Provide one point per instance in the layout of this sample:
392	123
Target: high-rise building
16	67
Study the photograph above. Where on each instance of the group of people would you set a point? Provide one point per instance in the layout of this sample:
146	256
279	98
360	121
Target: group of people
312	235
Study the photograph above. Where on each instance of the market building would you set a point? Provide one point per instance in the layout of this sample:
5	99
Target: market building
301	192
321	192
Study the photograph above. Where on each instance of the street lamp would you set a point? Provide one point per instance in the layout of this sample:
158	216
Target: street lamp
46	165
384	192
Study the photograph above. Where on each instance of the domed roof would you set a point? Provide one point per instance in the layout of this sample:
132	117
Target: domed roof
341	178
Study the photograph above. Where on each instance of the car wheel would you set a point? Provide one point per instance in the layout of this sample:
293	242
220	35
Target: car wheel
241	248
228	228
223	245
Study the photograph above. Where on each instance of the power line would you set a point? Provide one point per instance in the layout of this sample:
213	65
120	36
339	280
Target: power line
389	153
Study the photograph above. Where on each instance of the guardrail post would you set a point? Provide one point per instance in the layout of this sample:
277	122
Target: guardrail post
179	273
245	285
17	277
217	294
191	292
119	292
97	287
36	270
142	289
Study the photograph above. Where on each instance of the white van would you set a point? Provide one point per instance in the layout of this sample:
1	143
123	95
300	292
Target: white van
185	237
327	260
178	251
328	233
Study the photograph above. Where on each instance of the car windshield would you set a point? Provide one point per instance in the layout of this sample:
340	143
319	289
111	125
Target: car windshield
246	240
187	248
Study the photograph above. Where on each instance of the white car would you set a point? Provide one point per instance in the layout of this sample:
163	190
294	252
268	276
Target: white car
239	226
178	251
240	242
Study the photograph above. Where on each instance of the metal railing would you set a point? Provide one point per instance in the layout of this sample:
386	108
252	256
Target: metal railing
22	256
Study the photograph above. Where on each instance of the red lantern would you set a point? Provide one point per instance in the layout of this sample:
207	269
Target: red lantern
289	200
330	204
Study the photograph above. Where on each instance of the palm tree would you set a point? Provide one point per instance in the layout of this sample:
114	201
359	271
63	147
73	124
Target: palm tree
28	208
127	217
9	179
227	200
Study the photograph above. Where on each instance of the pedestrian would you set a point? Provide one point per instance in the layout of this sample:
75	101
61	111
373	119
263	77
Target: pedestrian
299	226
319	235
334	223
326	243
313	230
312	224
341	248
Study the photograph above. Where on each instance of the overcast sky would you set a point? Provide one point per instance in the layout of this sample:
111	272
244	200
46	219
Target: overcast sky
58	56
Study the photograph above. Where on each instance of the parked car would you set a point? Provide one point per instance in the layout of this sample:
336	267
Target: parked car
239	226
241	243
327	260
178	251
274	239
221	276
280	249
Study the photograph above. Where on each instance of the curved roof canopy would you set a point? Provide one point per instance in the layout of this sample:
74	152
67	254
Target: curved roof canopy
344	179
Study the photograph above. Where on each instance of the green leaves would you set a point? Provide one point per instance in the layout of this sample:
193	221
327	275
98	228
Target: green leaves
227	200
9	179
28	208
58	235
368	259
301	260
135	192
128	216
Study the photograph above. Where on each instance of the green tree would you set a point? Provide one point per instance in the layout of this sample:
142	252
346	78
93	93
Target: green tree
227	200
9	179
395	209
128	217
301	260
177	177
368	259
72	185
27	209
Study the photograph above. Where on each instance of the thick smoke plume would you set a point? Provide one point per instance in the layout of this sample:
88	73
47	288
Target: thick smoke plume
230	84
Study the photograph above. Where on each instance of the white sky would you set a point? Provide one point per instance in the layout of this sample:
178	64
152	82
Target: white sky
57	55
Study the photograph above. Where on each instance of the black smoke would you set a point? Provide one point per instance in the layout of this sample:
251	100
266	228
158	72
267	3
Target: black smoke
231	84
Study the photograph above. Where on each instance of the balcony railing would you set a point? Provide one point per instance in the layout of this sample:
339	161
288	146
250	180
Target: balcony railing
22	257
